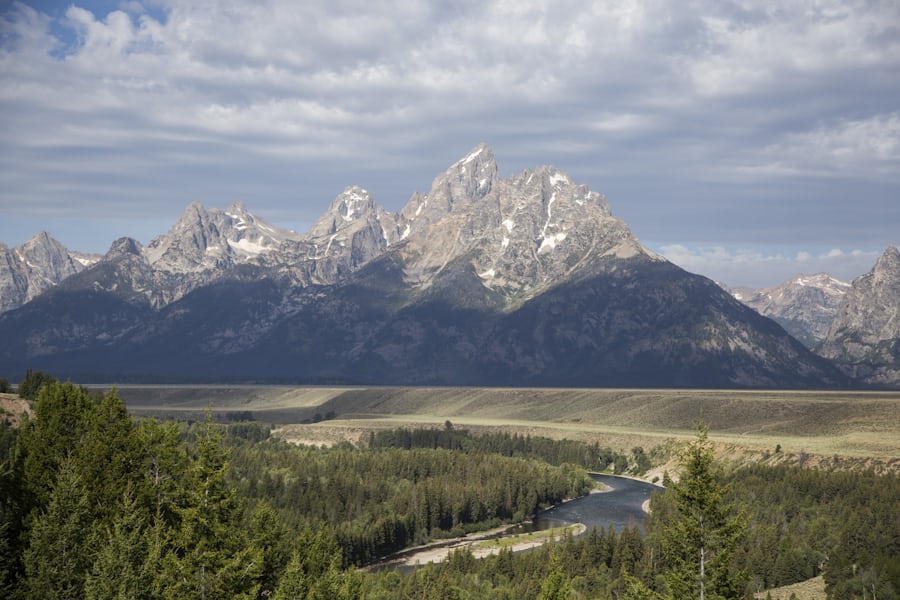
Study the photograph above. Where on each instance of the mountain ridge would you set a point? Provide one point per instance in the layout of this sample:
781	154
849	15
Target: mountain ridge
864	338
30	269
482	280
805	305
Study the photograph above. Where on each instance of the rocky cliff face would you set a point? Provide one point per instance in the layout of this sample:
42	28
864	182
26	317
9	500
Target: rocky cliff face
204	240
202	247
520	236
351	233
34	267
865	334
804	305
482	280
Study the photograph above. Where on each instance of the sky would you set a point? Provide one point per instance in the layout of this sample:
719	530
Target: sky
745	141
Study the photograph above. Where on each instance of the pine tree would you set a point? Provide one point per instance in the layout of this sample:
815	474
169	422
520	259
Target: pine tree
121	570
58	557
211	557
314	571
268	537
164	465
110	456
702	533
555	585
32	383
62	416
13	508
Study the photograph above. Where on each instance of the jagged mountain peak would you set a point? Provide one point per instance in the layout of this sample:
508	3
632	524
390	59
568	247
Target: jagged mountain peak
520	235
800	284
888	264
481	156
237	207
351	205
42	248
805	305
37	265
468	180
124	246
41	237
818	279
555	187
865	334
202	240
192	214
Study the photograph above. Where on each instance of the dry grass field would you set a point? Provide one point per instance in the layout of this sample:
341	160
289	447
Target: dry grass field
852	429
12	407
812	589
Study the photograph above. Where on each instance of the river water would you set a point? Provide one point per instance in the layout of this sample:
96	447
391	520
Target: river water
621	507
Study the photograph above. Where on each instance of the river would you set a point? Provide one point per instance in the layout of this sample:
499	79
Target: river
620	506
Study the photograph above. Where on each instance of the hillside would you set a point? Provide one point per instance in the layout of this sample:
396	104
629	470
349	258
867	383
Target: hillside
853	425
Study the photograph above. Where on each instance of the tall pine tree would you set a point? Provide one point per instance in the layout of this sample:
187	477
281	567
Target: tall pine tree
701	533
211	556
122	569
58	556
110	456
62	419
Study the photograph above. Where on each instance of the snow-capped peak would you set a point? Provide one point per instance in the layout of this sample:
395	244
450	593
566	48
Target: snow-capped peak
352	202
203	239
822	281
473	154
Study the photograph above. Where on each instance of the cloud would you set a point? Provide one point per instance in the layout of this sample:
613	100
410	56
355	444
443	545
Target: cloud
861	147
699	119
750	49
754	268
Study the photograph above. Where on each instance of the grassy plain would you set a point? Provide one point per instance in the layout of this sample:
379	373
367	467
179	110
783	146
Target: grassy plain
854	428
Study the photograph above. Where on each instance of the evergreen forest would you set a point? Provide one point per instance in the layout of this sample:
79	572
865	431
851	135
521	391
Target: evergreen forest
96	504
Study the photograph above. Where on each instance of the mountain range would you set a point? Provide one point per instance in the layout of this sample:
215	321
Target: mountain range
805	305
483	280
855	324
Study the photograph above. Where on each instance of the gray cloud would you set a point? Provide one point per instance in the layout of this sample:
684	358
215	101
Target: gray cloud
709	124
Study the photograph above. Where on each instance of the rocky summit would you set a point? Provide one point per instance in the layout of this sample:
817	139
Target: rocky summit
864	337
805	305
481	280
28	270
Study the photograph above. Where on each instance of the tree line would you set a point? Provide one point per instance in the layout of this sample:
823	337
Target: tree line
591	456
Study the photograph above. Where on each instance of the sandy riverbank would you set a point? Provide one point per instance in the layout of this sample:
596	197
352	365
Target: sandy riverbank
483	544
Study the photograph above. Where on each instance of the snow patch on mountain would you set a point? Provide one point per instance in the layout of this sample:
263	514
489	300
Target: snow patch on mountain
249	247
549	242
559	179
471	156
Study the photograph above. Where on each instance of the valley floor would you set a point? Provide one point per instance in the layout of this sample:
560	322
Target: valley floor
831	429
